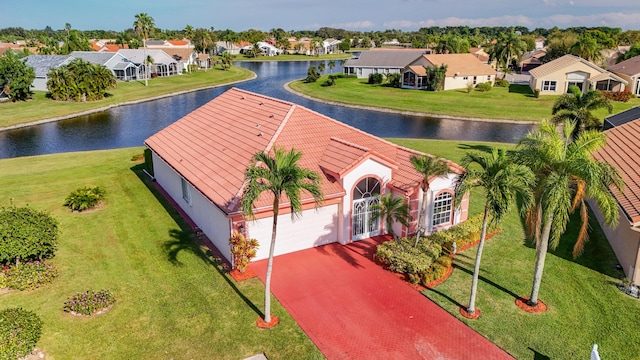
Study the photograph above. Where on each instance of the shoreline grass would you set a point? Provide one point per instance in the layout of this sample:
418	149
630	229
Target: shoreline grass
41	108
515	103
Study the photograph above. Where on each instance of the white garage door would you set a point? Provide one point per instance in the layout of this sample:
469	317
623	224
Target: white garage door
313	228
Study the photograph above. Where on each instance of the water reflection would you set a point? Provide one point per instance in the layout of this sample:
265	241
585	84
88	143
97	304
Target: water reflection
130	125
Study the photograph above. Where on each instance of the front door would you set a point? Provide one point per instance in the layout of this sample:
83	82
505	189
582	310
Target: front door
365	222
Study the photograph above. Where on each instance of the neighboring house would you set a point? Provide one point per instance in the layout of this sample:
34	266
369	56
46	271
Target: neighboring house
42	64
630	71
162	65
462	70
623	152
268	49
480	54
611	55
201	159
381	61
121	67
231	48
555	77
182	51
532	60
299	46
330	46
540	43
204	61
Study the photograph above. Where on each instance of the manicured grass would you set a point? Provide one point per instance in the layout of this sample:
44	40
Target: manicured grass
173	301
293	57
513	103
585	307
40	107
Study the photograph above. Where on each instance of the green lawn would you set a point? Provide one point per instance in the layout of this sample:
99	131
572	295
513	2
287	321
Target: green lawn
293	57
40	107
585	306
514	103
182	309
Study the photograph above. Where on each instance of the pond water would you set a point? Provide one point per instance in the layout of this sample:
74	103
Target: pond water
130	125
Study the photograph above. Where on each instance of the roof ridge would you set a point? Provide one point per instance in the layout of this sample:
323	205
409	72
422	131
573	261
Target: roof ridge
348	143
263	96
280	128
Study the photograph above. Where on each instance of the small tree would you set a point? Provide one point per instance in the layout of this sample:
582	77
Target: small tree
435	77
26	233
391	209
15	77
80	81
428	167
242	249
312	75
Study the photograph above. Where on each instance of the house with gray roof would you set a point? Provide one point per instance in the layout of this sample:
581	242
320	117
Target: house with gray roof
42	64
630	71
121	67
380	61
162	63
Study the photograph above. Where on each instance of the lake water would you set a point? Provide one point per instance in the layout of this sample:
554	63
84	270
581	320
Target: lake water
130	125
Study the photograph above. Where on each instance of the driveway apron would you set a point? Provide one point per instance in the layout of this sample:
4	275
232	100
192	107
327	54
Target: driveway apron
351	308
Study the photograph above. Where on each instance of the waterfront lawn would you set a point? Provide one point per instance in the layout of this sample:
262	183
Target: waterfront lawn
173	301
585	307
40	107
513	103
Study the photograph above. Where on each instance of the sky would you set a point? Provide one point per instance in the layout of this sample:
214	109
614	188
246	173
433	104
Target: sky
360	15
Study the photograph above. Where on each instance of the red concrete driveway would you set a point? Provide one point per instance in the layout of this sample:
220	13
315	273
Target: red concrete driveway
353	309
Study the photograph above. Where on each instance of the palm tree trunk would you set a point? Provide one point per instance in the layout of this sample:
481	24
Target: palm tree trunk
476	270
421	213
146	64
541	254
267	281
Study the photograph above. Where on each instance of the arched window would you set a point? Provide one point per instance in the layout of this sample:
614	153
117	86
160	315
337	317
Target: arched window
365	194
442	208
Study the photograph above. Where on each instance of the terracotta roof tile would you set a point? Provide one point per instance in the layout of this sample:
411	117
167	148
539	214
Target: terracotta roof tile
460	64
623	152
212	146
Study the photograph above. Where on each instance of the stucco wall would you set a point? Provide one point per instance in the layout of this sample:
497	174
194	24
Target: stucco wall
39	84
625	243
209	218
459	82
560	76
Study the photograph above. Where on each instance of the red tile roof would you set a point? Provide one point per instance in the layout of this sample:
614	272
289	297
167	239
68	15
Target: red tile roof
623	152
212	146
178	42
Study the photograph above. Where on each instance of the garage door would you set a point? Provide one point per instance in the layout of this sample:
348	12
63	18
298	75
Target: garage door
313	228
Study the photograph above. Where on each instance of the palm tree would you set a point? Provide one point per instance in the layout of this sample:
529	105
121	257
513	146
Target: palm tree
322	67
225	58
503	181
566	175
428	167
278	175
144	26
332	64
391	209
588	48
577	106
508	47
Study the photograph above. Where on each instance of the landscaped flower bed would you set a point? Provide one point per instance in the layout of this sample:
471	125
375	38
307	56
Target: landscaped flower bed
90	302
28	275
431	262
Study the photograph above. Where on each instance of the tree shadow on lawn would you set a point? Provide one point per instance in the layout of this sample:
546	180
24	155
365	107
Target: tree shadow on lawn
521	89
597	255
485	280
475	147
539	356
186	239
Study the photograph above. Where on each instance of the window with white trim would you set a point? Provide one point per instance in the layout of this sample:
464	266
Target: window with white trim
186	194
549	85
442	206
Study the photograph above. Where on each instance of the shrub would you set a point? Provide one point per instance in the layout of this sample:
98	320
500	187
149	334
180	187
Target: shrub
89	302
30	275
437	270
536	93
621	96
4	283
85	198
242	249
400	256
312	75
469	87
484	87
375	79
331	81
394	80
501	83
20	331
26	234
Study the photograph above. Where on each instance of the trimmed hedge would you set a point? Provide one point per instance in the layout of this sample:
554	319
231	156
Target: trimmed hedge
20	331
400	256
26	234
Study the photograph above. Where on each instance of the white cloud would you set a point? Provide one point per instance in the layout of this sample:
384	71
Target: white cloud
622	20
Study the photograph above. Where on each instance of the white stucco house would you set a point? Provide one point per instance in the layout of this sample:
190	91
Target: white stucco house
462	70
201	159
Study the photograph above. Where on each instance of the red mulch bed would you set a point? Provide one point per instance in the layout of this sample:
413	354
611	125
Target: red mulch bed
263	325
521	302
437	282
476	314
242	276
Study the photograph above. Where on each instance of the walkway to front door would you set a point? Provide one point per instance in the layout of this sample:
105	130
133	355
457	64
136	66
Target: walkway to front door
353	309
